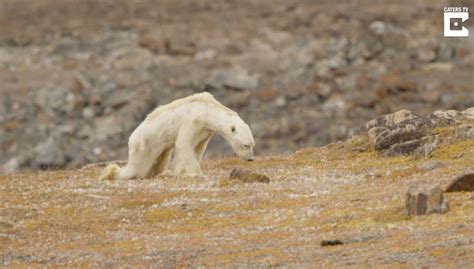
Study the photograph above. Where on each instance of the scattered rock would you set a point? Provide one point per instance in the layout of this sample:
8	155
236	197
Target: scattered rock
247	176
438	66
444	52
234	78
391	119
5	225
462	183
469	113
367	47
179	45
470	133
403	132
429	165
152	43
425	199
49	154
335	242
426	55
446	114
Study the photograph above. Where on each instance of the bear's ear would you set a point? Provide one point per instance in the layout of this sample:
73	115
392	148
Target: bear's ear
232	129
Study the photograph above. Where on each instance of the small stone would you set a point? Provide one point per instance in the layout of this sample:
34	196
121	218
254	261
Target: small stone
5	225
280	101
438	66
445	52
425	199
469	113
49	154
462	183
426	55
88	113
247	176
335	242
266	95
367	47
429	165
470	134
446	114
234	78
152	43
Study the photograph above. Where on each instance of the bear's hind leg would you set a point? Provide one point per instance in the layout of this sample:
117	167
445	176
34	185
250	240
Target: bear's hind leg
161	163
140	162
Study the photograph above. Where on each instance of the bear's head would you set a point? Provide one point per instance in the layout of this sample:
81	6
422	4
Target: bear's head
239	136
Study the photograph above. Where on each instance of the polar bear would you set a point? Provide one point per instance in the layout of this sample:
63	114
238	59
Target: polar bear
182	128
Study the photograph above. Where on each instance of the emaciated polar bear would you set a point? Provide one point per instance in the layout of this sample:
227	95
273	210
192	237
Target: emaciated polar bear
182	127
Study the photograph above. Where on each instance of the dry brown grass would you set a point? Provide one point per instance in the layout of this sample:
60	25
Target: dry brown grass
341	191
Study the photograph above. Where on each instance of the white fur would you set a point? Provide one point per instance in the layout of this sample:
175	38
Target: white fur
183	128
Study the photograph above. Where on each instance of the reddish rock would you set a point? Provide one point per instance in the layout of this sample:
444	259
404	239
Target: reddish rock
266	95
247	176
152	43
462	183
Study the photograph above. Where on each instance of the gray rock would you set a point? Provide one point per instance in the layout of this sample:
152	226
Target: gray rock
88	112
11	165
470	134
425	199
49	154
426	55
367	47
400	140
234	78
429	165
444	52
374	132
462	183
391	35
446	114
391	119
107	127
469	113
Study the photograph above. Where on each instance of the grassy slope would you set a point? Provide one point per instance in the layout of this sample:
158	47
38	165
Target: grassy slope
342	191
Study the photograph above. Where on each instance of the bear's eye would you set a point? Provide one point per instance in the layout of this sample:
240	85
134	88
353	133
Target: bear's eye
246	146
232	129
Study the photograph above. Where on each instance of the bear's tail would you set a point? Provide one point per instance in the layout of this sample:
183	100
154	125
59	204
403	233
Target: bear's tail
110	172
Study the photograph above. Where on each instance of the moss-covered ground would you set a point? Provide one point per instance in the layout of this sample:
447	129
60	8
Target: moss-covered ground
342	191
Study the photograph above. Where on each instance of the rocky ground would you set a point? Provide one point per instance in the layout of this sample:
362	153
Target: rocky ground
77	77
341	205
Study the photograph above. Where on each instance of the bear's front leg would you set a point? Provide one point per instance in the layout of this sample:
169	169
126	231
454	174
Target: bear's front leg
184	161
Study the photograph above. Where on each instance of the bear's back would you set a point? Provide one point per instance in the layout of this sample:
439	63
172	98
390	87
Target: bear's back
203	97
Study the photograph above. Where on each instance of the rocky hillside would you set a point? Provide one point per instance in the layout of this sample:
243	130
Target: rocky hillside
77	77
341	205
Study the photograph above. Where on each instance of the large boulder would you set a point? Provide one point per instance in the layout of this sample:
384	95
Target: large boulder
425	199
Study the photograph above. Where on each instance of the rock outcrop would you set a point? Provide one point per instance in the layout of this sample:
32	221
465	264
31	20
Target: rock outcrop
404	132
